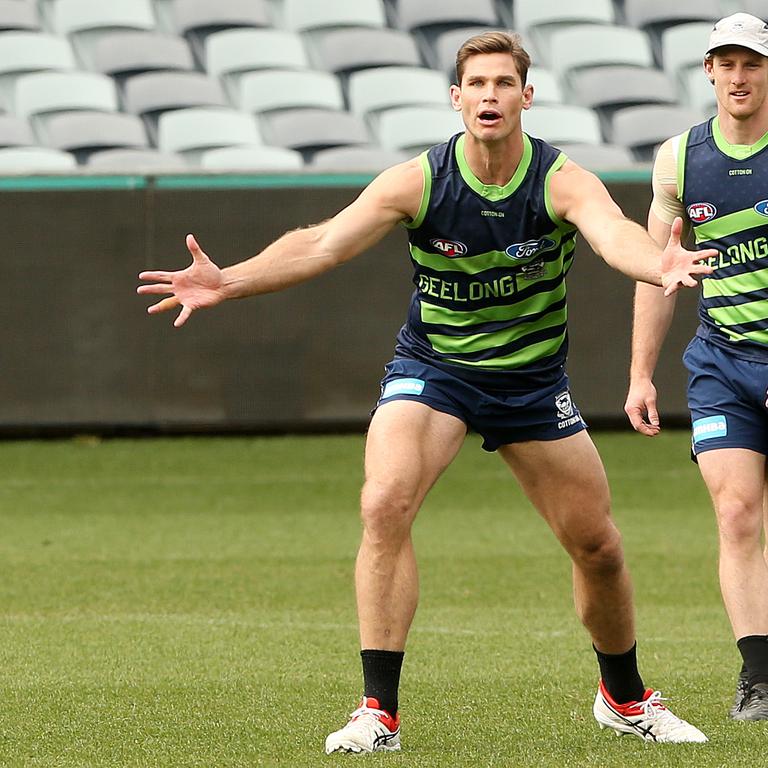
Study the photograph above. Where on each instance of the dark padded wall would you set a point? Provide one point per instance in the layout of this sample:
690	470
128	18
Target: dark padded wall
79	351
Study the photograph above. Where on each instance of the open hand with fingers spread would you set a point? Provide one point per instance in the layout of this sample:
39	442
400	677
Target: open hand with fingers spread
198	286
680	266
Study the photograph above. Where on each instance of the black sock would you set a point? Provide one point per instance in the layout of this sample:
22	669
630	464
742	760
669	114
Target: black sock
754	651
620	675
381	677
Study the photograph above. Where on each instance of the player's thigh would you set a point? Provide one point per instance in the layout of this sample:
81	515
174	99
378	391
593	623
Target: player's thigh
566	482
735	479
409	444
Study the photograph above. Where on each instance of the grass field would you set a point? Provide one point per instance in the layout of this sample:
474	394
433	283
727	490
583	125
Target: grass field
189	602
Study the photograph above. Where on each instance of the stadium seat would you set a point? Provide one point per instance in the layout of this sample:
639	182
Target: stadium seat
311	15
755	7
135	161
683	48
536	20
43	93
684	45
15	132
592	45
71	17
563	123
26	160
242	159
23	51
607	88
372	90
190	131
196	19
84	21
85	132
309	130
426	20
232	52
28	51
346	50
599	157
413	129
152	93
363	159
447	43
655	16
643	128
697	92
546	87
15	14
122	54
272	89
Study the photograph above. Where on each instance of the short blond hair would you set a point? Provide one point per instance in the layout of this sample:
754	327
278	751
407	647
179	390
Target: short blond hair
494	42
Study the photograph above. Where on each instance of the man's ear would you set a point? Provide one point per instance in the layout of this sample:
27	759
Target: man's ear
455	94
527	96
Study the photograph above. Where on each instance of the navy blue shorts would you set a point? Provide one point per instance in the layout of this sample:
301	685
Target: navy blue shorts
498	416
727	399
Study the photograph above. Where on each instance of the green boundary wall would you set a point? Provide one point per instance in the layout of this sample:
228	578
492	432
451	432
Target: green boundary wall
79	353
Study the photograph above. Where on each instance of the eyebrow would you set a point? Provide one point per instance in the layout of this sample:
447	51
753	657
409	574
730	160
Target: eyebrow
508	76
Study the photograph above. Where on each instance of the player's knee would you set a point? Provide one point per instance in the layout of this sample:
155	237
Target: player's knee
600	553
386	510
739	521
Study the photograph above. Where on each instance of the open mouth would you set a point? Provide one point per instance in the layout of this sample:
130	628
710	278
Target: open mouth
489	117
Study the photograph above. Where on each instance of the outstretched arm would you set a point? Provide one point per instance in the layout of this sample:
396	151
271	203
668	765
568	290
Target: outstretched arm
581	198
300	255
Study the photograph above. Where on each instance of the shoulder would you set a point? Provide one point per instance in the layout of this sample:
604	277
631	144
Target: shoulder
571	179
577	193
399	187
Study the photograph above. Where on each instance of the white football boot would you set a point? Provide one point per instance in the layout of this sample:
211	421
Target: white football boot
370	729
647	719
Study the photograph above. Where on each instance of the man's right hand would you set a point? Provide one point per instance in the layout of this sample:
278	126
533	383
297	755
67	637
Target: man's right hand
198	286
640	406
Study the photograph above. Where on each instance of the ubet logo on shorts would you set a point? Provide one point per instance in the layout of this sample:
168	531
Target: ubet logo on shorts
712	426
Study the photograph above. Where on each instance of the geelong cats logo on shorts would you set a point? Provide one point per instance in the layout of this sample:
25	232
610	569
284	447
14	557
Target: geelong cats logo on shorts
564	405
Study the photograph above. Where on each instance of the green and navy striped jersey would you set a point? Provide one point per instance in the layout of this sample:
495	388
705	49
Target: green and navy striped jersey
724	190
489	267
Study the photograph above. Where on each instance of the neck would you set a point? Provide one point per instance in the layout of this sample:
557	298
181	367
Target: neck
493	162
747	131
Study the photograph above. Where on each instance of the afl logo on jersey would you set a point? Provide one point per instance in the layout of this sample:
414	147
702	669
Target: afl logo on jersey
762	207
698	213
448	248
529	248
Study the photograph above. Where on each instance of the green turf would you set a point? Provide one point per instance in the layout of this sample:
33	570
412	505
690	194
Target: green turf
189	602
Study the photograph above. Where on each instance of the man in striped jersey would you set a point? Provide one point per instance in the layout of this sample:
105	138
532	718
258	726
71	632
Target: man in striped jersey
491	216
714	175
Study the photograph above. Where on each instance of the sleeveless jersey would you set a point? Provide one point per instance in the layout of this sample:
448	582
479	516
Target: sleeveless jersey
726	199
489	268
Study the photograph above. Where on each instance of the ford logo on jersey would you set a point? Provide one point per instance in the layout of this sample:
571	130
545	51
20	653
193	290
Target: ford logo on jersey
762	207
698	213
448	247
529	248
